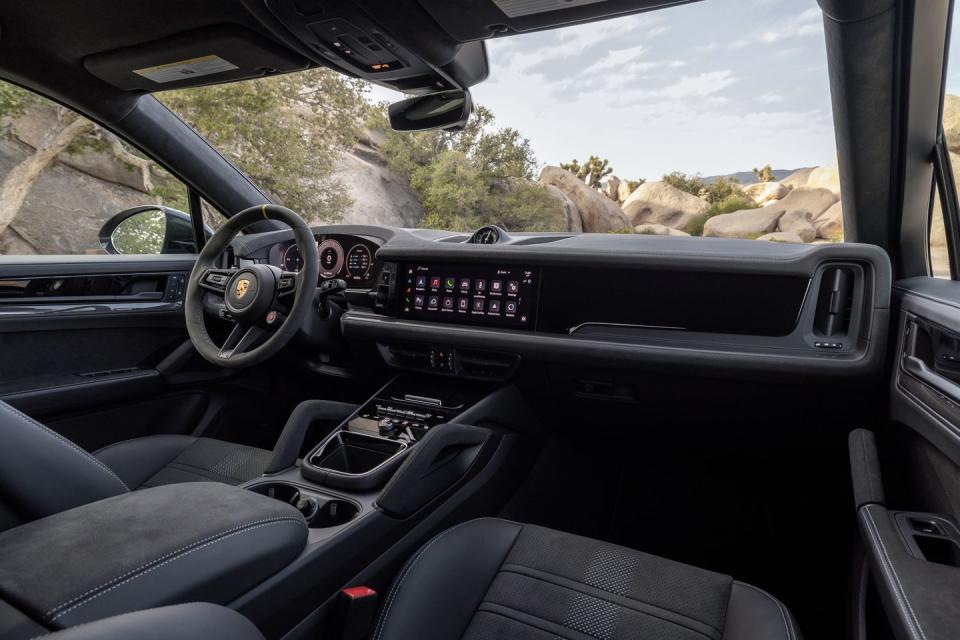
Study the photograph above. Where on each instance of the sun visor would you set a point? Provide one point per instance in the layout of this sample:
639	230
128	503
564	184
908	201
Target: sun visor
478	19
206	56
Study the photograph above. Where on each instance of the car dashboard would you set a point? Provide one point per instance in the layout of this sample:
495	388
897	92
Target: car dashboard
436	301
348	257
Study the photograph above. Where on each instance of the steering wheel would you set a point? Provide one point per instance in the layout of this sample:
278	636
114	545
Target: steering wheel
254	296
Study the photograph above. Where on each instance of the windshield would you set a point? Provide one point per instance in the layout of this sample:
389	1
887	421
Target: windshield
658	123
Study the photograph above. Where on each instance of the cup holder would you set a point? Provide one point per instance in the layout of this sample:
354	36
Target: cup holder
355	453
319	510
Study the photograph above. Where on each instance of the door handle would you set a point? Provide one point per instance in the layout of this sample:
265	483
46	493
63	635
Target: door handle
920	370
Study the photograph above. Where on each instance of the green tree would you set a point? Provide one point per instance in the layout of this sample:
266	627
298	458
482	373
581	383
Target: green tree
593	171
73	134
466	179
285	132
765	174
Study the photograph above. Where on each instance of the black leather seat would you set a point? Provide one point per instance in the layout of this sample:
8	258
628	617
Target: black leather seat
42	472
152	461
493	578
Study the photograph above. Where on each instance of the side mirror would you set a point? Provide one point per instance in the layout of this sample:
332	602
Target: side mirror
149	230
443	110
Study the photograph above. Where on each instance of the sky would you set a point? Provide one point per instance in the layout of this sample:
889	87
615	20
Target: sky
953	70
710	87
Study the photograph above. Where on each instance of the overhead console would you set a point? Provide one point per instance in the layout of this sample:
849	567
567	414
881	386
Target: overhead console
722	305
402	56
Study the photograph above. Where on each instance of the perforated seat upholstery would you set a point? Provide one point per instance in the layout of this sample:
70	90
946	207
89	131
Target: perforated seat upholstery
492	578
170	459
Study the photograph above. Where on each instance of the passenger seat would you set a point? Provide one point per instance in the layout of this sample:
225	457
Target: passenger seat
492	578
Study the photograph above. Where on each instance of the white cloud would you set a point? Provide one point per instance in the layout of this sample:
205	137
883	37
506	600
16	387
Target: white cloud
654	104
698	86
619	59
807	23
788	52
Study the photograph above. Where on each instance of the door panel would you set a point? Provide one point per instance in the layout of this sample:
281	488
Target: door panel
925	393
907	479
82	338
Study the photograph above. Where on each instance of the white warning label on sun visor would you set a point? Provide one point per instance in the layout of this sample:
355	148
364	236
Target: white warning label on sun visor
185	69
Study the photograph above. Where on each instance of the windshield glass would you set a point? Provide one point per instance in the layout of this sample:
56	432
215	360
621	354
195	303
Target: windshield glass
657	123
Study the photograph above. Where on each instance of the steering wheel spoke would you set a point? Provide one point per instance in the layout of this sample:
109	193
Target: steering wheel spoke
215	280
287	284
242	339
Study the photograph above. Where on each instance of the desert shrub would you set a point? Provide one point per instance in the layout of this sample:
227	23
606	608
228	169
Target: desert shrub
713	192
731	203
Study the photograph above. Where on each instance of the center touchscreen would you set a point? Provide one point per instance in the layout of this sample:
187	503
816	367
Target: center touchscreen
498	296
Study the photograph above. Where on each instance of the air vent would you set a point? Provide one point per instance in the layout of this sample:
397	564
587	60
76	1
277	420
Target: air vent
486	364
835	302
413	356
467	363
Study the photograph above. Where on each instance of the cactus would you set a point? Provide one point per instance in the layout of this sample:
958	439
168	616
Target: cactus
592	171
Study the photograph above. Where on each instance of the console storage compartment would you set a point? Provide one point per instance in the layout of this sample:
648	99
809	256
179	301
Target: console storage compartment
369	446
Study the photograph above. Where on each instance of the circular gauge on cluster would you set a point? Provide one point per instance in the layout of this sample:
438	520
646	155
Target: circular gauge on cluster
359	262
331	258
292	261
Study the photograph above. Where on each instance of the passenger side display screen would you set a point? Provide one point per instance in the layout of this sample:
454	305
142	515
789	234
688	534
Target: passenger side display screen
471	294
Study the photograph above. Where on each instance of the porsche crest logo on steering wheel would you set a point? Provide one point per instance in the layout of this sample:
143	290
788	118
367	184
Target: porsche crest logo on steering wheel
241	289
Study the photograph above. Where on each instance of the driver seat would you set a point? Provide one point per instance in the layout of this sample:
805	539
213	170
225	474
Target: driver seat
42	472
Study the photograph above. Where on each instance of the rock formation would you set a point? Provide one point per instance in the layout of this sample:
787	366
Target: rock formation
598	214
661	203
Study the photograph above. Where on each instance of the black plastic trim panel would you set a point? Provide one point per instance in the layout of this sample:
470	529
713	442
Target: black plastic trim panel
644	348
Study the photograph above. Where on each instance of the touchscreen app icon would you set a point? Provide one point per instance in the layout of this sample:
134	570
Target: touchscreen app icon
494	307
433	302
418	302
450	282
478	304
513	286
463	304
448	303
511	307
496	286
464	284
421	282
434	283
481	284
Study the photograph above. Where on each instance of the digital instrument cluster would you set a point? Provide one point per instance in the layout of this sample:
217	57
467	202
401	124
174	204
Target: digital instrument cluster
471	294
350	258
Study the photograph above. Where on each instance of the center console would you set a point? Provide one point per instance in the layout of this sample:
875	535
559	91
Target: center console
364	451
422	452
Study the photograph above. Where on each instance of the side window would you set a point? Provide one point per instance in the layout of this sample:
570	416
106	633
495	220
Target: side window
939	255
939	250
68	186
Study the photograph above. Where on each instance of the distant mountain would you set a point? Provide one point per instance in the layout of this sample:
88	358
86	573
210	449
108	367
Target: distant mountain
748	177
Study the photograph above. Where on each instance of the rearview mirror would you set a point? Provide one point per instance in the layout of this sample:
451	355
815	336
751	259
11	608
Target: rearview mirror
443	110
149	230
